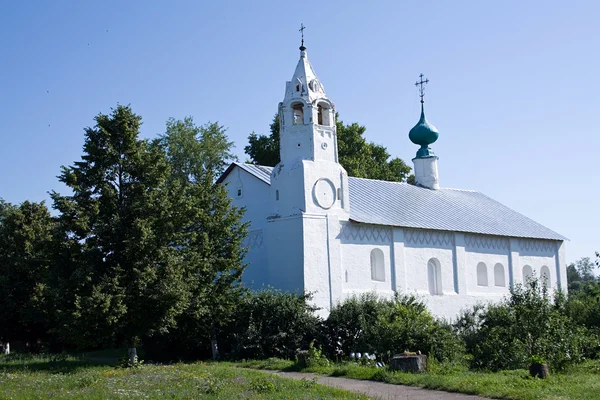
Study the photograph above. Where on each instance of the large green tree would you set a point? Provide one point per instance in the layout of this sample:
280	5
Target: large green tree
25	240
210	229
126	277
194	151
360	158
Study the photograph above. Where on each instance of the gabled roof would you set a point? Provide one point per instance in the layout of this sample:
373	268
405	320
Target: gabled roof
400	204
262	173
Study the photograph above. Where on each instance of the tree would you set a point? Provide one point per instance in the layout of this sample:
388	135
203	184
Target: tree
126	278
580	273
210	230
197	150
25	237
360	158
264	150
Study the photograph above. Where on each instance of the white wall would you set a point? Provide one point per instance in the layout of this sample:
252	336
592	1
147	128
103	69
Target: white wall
357	242
419	247
254	195
407	252
489	250
536	254
286	253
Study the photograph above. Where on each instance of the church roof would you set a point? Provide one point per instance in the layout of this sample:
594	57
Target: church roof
400	204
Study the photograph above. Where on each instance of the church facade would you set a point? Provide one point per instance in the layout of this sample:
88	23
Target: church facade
313	228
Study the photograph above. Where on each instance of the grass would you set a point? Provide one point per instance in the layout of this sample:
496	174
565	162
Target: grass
580	382
24	377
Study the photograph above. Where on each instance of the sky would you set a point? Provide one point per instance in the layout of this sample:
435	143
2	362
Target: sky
514	86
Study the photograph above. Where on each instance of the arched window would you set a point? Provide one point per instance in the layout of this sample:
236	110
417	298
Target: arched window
323	114
377	265
298	109
434	275
499	279
482	278
545	275
527	274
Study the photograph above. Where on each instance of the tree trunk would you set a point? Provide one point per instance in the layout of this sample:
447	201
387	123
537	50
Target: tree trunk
213	343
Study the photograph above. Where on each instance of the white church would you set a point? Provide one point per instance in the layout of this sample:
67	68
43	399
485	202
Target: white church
314	228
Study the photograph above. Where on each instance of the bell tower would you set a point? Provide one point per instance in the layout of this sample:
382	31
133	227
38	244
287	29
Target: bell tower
309	178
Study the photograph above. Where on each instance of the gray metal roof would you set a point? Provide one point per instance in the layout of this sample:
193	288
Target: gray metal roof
262	173
400	204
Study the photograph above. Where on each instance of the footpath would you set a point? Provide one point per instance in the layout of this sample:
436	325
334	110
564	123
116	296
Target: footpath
378	390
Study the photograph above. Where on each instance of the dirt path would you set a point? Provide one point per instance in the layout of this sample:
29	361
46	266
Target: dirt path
379	390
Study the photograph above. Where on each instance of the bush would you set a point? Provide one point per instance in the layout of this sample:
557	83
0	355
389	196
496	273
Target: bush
315	357
527	324
368	323
272	323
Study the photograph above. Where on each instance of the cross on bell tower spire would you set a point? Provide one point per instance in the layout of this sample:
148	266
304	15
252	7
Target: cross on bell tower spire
301	30
422	84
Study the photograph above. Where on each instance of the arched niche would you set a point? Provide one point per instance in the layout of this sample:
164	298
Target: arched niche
434	275
527	274
482	274
499	278
545	276
377	265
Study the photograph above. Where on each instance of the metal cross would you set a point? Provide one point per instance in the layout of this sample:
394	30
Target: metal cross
301	30
421	83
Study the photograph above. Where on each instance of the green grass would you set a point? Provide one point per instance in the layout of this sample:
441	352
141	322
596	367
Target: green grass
580	382
68	377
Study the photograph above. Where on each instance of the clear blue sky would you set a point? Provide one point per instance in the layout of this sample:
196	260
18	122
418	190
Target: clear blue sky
514	85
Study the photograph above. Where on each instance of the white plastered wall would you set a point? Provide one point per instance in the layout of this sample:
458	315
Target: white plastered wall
254	194
540	253
286	262
357	243
489	250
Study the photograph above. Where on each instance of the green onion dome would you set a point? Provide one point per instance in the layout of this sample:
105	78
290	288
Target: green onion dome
423	134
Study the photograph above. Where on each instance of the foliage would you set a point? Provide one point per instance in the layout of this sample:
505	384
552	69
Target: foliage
527	324
209	237
264	150
580	275
315	356
126	362
25	242
360	158
116	228
368	323
195	151
271	323
536	360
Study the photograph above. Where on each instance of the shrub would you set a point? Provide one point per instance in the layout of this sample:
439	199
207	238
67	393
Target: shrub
315	357
526	324
272	323
368	323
